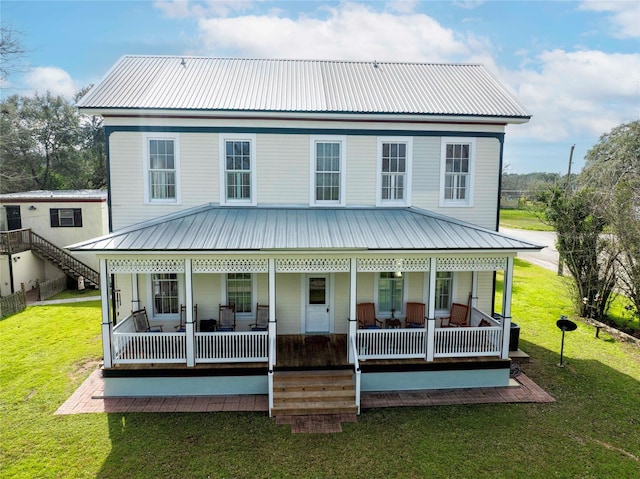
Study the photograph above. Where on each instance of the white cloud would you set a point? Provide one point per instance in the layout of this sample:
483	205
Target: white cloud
402	6
625	16
348	31
582	93
187	8
52	79
468	4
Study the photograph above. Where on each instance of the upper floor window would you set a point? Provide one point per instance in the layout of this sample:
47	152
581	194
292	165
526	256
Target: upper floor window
161	168
394	171
457	168
390	293
65	217
327	170
237	169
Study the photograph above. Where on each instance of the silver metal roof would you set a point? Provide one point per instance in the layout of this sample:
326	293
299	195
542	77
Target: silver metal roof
217	229
40	195
226	84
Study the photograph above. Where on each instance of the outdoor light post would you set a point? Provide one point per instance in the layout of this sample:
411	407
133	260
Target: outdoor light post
565	325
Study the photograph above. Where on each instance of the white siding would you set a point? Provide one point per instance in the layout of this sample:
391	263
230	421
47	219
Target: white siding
361	170
283	169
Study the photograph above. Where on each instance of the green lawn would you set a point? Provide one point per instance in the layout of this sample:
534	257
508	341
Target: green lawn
523	219
592	431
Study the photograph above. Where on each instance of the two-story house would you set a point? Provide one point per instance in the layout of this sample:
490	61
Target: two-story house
285	215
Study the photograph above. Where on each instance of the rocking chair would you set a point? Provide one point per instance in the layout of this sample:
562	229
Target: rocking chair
458	316
415	315
262	318
367	316
182	327
226	317
141	322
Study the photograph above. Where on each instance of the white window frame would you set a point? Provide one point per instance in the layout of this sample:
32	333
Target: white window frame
342	140
254	288
175	137
151	299
468	201
222	155
406	201
376	294
445	312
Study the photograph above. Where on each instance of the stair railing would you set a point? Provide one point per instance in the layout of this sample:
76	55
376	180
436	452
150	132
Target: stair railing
40	244
356	367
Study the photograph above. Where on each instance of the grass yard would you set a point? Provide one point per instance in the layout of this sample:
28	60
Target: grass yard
523	219
592	431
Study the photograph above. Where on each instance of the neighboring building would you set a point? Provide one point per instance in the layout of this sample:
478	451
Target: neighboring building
313	187
60	218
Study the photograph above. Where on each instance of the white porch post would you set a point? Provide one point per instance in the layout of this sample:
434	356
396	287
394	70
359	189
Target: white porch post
353	326
506	307
189	324
431	314
106	320
135	294
272	306
474	290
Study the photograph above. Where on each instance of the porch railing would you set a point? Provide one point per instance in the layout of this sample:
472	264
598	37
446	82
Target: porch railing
224	347
391	343
470	341
132	348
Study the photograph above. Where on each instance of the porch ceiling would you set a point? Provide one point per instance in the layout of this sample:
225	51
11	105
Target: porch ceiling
213	228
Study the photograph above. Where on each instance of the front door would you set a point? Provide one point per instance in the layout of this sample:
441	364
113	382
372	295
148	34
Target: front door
317	304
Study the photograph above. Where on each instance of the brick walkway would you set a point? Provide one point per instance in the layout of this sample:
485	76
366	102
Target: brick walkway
89	398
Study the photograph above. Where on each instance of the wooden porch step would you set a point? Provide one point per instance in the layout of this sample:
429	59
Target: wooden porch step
313	392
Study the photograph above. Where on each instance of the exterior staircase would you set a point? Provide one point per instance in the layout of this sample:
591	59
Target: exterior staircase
12	242
313	392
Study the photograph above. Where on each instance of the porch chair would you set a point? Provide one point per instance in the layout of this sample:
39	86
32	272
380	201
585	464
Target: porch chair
458	316
182	327
141	322
262	318
415	315
226	317
366	313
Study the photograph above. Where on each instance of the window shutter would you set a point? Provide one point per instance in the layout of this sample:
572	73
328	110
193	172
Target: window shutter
53	214
77	217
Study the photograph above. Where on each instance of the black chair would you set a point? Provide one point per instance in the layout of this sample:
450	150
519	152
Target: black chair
262	318
141	322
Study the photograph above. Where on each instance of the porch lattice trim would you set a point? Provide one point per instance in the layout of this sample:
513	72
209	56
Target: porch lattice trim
393	264
251	265
312	265
471	264
146	266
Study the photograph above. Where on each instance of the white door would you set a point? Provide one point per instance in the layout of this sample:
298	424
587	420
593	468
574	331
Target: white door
317	304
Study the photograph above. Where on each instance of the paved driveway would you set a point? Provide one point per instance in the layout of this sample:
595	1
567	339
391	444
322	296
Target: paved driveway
547	257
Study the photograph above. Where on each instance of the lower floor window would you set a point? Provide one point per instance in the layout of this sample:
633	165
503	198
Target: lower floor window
165	293
390	292
444	290
240	291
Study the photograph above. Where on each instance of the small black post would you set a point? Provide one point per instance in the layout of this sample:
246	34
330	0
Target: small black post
565	325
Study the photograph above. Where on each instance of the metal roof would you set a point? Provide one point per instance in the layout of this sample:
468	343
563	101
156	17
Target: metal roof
213	228
227	84
40	195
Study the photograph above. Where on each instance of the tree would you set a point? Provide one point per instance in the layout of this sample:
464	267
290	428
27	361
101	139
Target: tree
588	254
11	50
46	144
612	167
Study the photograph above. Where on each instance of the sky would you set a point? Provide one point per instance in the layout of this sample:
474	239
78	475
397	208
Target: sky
574	65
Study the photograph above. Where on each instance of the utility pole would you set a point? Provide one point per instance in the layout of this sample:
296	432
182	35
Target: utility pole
566	192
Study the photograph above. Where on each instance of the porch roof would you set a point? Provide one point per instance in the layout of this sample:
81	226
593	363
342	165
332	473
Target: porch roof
213	228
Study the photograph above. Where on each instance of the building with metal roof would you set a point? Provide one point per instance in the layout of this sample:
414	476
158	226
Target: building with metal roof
253	200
